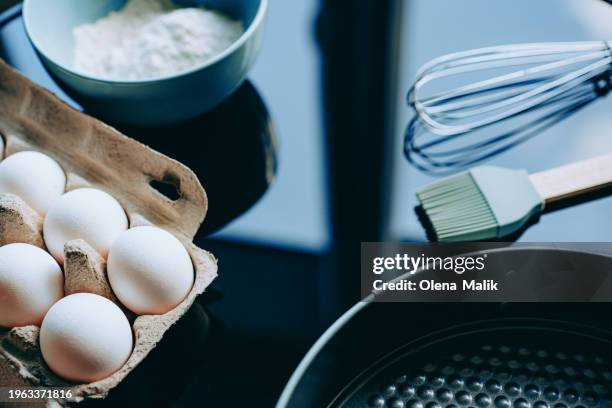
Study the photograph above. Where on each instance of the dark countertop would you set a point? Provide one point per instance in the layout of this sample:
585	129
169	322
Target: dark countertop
266	306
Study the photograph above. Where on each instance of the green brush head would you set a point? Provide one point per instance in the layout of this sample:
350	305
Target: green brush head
484	203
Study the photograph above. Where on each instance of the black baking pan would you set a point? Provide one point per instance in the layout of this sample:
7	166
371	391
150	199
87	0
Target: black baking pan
449	355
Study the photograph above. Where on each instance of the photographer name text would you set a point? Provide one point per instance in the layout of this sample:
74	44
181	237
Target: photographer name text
429	285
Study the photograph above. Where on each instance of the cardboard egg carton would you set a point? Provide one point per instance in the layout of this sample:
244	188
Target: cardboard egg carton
92	154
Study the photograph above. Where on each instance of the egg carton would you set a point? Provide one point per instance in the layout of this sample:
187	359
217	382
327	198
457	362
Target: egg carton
92	154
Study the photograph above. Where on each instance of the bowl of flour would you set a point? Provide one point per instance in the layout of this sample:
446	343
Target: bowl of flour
146	62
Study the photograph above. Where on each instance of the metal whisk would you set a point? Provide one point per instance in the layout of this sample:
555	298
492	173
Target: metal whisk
479	114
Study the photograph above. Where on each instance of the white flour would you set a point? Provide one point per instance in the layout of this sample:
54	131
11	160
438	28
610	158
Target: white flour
151	38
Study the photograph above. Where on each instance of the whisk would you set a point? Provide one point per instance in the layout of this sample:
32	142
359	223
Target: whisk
499	97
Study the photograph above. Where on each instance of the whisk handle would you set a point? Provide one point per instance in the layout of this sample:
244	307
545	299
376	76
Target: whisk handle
573	179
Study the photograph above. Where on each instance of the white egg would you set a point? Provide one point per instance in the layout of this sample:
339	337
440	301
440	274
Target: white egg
31	281
34	177
149	270
85	338
85	213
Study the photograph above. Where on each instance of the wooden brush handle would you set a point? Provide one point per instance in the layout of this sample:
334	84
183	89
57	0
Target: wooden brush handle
573	179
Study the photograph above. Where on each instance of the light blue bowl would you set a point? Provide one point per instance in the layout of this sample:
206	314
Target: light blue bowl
170	99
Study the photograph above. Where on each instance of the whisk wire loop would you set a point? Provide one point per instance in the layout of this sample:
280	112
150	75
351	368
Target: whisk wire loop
550	81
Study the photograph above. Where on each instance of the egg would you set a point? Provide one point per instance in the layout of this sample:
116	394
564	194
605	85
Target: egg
34	177
85	338
149	270
31	281
84	213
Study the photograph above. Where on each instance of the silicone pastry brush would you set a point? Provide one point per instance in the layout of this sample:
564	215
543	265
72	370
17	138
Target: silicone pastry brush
488	202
